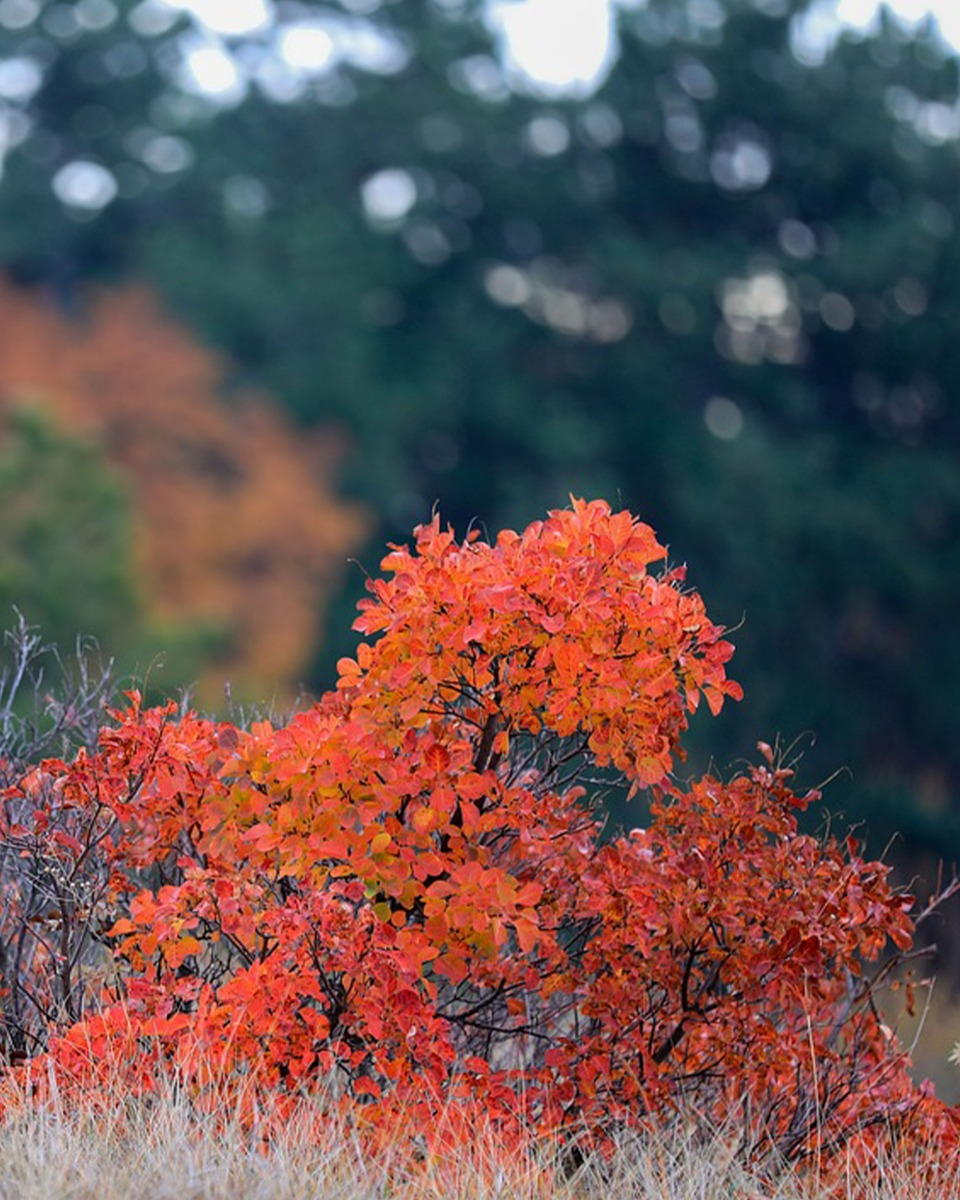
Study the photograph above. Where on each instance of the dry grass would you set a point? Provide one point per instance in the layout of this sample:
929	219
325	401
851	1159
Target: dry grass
166	1152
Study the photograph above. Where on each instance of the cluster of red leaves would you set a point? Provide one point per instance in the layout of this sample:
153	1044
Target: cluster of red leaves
403	894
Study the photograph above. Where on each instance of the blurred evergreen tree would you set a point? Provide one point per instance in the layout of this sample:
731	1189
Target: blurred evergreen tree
722	288
67	561
65	545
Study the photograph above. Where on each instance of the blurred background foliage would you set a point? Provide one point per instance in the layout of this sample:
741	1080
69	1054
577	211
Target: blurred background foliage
721	288
194	535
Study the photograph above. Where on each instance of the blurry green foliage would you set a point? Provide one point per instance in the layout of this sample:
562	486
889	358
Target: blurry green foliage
722	290
66	556
65	543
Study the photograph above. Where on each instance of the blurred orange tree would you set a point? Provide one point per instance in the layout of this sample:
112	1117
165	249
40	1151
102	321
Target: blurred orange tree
237	535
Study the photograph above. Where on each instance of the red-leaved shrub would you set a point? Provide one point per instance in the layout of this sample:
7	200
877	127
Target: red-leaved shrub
402	896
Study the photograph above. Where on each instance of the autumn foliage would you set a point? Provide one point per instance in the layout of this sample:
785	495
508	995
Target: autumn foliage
236	527
403	894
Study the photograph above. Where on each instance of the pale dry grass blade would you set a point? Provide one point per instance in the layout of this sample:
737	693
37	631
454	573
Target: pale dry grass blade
164	1150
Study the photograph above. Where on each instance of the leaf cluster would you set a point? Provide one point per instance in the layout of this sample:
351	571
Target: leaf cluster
402	896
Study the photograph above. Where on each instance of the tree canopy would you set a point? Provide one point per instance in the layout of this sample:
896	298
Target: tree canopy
196	539
722	286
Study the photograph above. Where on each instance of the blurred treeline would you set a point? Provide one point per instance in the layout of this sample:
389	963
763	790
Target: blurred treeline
722	290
